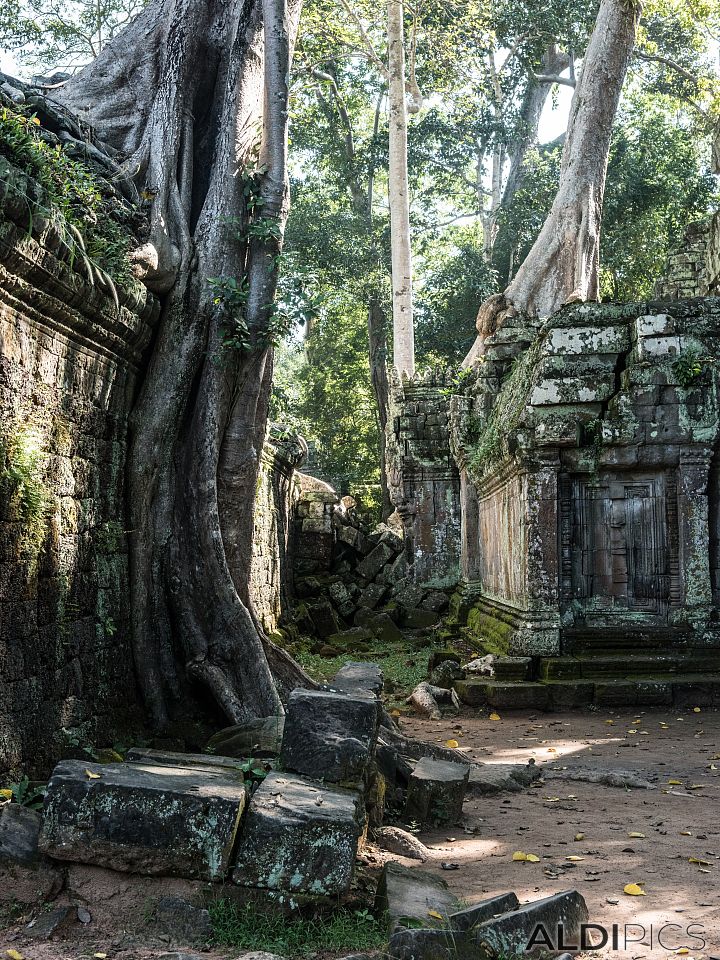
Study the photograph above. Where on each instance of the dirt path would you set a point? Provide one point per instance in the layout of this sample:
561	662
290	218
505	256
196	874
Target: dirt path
678	823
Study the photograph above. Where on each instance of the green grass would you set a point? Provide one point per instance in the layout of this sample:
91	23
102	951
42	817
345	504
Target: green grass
401	664
243	927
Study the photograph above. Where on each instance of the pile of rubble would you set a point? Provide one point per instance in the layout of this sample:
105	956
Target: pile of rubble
354	584
288	838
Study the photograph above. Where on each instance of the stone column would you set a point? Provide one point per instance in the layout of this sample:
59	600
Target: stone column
694	535
541	633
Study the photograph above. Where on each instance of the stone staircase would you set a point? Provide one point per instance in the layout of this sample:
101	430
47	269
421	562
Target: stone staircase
619	671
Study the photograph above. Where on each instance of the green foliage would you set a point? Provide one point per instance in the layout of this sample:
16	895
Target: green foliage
244	927
689	367
254	772
403	667
70	193
49	34
24	792
23	491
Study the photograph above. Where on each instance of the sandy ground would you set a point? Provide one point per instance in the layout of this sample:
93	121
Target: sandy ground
680	822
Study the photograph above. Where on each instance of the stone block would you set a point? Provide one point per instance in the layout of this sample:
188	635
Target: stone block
572	390
407	894
570	694
323	618
351	637
578	340
385	629
373	563
483	911
414	618
435	600
182	920
429	944
354	538
489	778
141	818
615	693
373	595
19	833
170	758
509	935
651	347
473	693
436	791
329	736
660	324
354	677
517	696
299	836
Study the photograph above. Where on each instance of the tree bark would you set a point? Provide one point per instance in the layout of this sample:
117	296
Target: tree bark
403	332
181	94
381	388
563	265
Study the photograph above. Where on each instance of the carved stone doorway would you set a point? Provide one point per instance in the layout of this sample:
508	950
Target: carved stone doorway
619	546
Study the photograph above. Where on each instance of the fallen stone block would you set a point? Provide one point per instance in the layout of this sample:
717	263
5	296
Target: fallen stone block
436	791
182	920
330	736
299	836
408	895
483	911
256	738
555	922
427	944
385	629
417	619
436	601
142	818
324	619
347	638
352	677
48	924
373	563
489	778
19	833
171	758
373	595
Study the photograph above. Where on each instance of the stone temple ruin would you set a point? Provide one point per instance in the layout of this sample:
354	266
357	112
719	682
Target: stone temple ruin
586	451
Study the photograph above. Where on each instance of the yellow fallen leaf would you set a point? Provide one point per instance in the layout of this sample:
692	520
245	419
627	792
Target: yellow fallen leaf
14	955
575	859
551	750
700	863
494	716
713	766
92	776
6	793
696	786
552	799
531	858
435	915
519	855
632	731
685	833
697	710
682	951
611	722
675	783
636	836
452	744
395	712
100	956
579	836
634	890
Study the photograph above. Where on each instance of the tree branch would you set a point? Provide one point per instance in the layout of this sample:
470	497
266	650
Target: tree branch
370	48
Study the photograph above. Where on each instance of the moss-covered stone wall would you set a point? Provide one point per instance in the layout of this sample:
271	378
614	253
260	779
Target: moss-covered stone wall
70	356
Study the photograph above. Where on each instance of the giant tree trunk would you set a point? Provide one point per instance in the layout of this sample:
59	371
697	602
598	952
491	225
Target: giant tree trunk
194	96
563	265
403	332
